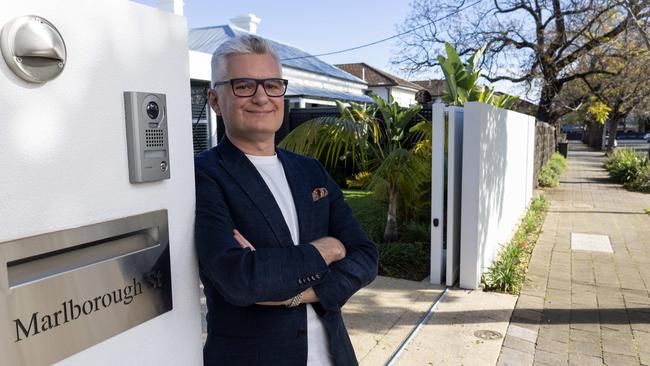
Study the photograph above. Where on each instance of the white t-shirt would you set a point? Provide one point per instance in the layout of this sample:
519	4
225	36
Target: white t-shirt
271	170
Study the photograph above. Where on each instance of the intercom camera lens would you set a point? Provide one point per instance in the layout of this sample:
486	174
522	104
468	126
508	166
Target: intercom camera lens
153	110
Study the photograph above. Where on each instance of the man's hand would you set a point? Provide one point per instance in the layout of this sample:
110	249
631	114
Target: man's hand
243	242
330	248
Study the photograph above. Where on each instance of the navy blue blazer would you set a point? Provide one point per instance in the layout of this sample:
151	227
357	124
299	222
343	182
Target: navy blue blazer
231	194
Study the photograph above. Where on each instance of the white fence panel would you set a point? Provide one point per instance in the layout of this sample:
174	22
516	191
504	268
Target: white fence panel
454	180
498	148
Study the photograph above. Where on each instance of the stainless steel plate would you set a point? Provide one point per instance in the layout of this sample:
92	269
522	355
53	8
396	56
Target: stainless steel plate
63	292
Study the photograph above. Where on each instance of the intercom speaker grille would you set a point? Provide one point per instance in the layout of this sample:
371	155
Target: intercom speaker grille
154	138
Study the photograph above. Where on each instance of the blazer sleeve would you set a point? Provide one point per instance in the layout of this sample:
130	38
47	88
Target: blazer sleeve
244	277
359	267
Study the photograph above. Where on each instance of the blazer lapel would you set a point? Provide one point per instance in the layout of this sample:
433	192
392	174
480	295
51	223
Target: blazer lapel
300	190
252	183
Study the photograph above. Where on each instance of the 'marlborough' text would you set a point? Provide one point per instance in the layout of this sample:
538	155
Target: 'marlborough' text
70	311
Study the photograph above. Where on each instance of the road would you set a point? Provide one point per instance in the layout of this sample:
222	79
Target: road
638	145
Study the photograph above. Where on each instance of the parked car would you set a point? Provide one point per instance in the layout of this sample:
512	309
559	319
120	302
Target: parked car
647	137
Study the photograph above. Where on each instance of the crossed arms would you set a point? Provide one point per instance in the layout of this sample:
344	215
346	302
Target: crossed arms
337	266
330	248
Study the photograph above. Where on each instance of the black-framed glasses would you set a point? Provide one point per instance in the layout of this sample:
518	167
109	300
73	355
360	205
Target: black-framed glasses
246	87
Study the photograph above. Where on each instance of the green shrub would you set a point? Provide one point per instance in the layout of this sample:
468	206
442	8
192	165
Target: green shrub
558	163
548	177
409	261
504	274
409	257
412	232
539	205
508	271
641	182
624	165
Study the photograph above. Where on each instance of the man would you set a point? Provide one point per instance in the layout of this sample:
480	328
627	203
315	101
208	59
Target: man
279	250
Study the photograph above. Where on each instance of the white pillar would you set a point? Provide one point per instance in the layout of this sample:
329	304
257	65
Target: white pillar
172	6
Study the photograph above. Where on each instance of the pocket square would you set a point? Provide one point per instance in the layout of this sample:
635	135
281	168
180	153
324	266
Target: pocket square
318	193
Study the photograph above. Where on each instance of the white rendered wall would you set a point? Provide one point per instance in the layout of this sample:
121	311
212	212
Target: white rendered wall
498	149
404	97
200	65
64	161
380	91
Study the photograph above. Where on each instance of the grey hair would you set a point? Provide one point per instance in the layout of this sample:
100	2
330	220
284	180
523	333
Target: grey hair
240	45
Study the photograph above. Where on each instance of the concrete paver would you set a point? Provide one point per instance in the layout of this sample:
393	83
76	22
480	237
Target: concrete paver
448	338
379	317
594	306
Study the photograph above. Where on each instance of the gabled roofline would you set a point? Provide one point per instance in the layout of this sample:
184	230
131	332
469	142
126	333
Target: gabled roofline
394	80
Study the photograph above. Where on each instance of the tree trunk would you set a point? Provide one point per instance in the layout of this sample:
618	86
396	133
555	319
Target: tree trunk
545	108
612	132
545	111
390	233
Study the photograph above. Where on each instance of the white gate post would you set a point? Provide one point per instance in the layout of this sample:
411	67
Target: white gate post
437	192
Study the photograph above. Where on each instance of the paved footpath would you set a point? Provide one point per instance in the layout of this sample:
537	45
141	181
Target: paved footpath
581	305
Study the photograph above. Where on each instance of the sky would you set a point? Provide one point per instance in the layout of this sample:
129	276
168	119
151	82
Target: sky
315	26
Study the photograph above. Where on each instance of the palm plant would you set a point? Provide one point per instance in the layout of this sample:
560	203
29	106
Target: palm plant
461	80
378	140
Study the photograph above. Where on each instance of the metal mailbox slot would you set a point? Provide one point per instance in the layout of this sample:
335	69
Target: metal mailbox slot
65	291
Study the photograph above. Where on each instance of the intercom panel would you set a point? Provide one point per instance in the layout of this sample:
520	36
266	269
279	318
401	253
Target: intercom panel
146	136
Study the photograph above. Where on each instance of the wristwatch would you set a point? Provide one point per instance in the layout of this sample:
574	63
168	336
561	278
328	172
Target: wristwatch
295	301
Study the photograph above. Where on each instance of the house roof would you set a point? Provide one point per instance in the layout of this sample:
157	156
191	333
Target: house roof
300	90
434	86
375	76
207	40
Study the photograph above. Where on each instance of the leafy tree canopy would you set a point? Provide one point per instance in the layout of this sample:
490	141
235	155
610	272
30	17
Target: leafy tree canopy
536	42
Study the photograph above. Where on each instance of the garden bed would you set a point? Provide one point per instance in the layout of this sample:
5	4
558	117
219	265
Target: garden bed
408	258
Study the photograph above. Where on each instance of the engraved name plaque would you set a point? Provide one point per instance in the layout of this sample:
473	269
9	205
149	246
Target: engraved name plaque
65	291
